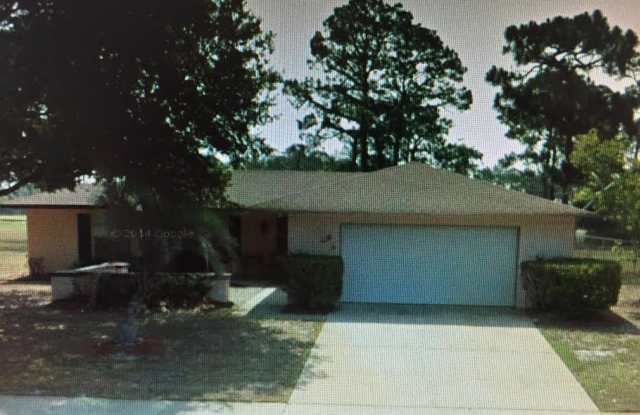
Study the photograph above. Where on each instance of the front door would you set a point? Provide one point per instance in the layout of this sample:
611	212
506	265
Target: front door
84	238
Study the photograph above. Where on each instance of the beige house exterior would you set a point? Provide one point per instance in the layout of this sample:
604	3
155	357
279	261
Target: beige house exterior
52	235
539	236
286	213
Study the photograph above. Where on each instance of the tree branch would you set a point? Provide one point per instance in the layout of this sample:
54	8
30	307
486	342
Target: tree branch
328	110
16	186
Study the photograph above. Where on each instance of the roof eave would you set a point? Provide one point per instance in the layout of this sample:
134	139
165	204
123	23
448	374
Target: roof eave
575	213
48	206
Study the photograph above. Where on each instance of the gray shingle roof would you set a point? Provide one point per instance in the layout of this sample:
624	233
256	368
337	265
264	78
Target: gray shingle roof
84	195
409	189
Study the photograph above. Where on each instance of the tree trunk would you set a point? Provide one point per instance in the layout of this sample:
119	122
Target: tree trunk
396	150
364	146
399	132
354	154
547	183
552	185
567	170
380	159
364	117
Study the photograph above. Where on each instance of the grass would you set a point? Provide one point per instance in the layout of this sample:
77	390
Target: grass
629	269
603	352
13	218
13	246
212	355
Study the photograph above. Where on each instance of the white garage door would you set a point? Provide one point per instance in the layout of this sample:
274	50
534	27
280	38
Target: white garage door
429	264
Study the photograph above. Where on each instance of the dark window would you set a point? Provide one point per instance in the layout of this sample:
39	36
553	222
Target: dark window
84	238
282	225
235	230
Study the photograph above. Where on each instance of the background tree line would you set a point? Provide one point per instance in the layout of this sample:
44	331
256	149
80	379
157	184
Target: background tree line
169	96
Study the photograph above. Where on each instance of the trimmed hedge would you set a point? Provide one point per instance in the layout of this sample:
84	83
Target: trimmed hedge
314	282
571	284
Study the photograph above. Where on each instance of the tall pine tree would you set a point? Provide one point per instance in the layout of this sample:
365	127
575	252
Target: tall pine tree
383	81
552	97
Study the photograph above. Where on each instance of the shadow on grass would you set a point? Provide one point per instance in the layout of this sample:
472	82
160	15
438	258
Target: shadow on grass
22	299
274	307
36	280
603	322
209	355
19	405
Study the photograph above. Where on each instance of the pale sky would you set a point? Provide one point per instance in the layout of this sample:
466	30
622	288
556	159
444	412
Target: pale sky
474	28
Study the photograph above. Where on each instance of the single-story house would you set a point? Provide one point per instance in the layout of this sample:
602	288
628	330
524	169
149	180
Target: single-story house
407	234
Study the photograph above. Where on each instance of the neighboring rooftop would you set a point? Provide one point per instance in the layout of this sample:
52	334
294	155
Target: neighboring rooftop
408	189
83	196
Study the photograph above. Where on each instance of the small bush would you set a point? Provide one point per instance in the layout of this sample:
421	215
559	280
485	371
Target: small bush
572	284
314	282
177	290
106	291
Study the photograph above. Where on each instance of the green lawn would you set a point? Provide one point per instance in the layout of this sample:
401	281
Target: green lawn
603	352
213	355
13	246
206	355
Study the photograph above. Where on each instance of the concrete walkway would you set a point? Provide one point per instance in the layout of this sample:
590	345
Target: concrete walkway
441	360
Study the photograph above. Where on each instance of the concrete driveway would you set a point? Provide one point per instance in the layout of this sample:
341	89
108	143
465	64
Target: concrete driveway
431	359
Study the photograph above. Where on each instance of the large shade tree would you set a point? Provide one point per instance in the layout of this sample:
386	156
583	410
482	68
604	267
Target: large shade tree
382	82
151	92
551	96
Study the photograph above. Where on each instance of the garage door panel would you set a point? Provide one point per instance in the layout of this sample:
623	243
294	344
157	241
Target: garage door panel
429	264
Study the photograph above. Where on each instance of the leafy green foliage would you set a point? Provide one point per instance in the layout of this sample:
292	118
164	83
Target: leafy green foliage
551	97
315	282
624	255
572	284
506	175
612	184
601	161
612	187
383	85
301	157
152	92
177	290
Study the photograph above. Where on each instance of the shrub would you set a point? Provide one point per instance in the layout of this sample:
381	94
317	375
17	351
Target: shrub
105	290
314	282
572	284
177	290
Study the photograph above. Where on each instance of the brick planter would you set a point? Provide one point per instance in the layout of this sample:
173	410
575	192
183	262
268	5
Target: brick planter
87	281
82	281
